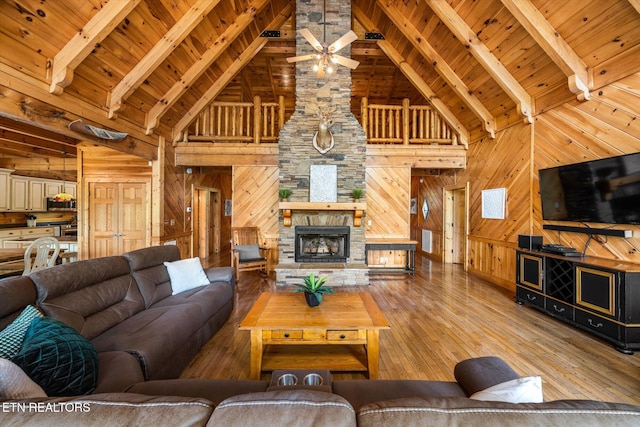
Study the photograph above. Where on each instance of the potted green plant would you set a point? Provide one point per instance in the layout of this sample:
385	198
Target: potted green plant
284	194
357	194
313	289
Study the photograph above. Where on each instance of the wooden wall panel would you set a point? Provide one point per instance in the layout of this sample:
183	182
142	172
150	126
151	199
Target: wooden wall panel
255	203
255	198
387	199
605	126
501	163
177	196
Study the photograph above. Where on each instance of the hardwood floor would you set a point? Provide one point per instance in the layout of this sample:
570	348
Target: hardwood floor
443	316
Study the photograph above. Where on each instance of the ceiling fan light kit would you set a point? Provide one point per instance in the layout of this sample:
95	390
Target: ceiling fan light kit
326	53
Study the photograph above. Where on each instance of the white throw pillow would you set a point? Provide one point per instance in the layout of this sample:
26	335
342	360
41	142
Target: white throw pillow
521	390
15	384
186	274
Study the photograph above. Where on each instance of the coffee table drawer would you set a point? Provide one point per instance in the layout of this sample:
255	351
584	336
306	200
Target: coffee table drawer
342	335
294	334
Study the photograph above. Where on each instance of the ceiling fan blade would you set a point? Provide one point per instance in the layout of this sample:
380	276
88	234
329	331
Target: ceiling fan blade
343	41
311	39
302	57
347	62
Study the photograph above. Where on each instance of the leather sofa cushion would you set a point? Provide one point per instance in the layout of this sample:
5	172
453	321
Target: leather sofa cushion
91	296
117	409
361	392
153	335
149	271
15	293
291	408
209	299
213	390
117	371
480	373
447	411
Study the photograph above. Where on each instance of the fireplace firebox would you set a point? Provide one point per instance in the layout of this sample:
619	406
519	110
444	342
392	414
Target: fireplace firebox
321	243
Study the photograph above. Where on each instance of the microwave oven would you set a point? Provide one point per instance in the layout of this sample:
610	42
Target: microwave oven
68	205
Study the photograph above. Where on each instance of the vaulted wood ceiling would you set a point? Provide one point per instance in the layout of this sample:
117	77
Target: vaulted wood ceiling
145	67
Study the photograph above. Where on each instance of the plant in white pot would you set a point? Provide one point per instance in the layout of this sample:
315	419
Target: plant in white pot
313	289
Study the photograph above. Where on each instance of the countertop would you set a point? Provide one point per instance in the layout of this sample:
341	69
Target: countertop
61	239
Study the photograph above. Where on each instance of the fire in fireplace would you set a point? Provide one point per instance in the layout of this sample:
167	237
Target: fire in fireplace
321	243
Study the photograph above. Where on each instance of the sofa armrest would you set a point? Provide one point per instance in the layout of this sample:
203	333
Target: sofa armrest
221	274
480	373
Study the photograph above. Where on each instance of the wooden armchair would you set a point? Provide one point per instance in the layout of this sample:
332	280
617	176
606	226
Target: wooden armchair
248	252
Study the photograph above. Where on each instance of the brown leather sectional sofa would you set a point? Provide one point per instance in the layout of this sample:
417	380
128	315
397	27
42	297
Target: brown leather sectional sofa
123	305
145	337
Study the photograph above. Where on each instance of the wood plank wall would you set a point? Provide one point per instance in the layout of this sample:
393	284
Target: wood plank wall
255	203
605	126
177	196
387	197
500	163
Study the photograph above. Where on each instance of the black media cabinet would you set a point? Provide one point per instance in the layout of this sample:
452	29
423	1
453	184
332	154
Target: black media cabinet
596	295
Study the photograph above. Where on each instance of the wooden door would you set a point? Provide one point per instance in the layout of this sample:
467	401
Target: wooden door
213	220
132	216
458	226
455	224
118	217
103	219
200	223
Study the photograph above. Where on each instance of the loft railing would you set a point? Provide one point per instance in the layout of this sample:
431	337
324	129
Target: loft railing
254	122
259	123
405	124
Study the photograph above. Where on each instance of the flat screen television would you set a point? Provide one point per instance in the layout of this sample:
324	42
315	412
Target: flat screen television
604	190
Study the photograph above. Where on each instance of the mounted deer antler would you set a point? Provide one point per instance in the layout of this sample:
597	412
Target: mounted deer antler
323	139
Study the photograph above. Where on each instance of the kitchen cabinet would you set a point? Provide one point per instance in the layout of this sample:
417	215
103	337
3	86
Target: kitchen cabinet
36	201
13	237
5	189
19	193
25	194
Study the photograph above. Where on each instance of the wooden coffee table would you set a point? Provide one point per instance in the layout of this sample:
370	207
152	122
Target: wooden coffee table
341	334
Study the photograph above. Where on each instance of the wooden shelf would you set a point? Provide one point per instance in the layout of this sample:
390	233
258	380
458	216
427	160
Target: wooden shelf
333	357
288	207
323	206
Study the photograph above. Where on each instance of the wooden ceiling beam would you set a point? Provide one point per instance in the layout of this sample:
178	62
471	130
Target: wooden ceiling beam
85	40
243	59
483	55
554	45
419	41
160	51
28	141
202	64
635	4
414	77
68	144
23	91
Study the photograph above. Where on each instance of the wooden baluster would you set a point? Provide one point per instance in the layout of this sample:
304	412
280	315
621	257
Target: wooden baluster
405	121
257	106
364	112
281	112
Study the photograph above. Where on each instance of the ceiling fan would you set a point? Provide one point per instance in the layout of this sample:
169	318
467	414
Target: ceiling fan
326	55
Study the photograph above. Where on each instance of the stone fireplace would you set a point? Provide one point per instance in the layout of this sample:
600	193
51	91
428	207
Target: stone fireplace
297	155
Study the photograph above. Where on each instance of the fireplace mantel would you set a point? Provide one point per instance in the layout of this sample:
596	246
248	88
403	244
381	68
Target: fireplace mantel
288	207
